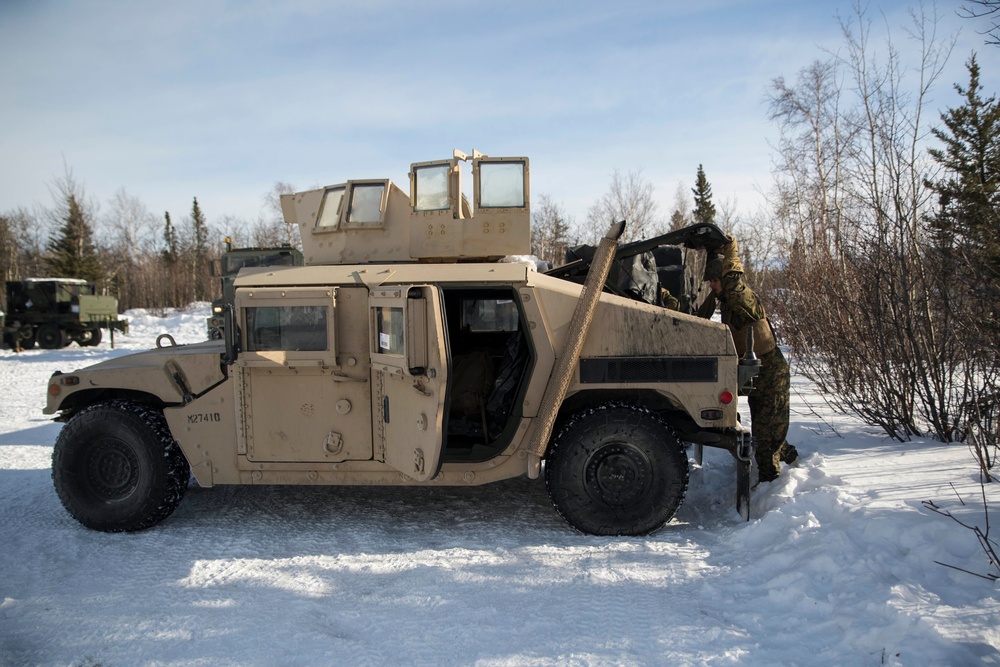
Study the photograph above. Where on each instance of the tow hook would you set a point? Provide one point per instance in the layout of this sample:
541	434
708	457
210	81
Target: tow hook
165	336
745	447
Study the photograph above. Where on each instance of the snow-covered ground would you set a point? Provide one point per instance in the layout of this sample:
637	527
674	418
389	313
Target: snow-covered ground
837	566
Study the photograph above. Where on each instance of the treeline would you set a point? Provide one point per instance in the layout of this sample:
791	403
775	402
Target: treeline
144	260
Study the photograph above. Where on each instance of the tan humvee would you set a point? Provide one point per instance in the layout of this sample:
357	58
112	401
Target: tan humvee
405	353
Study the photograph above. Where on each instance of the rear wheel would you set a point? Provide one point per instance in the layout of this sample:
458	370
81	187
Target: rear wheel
616	469
51	337
116	467
90	337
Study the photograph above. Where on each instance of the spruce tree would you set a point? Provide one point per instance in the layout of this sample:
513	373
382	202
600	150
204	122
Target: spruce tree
170	249
969	195
71	252
704	209
199	256
200	230
8	249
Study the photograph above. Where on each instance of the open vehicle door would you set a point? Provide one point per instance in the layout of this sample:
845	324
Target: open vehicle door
409	359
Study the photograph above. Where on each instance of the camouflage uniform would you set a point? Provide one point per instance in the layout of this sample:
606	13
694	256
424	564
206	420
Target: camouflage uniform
11	335
742	310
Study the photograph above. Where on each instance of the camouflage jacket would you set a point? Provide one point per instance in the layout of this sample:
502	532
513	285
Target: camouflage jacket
741	310
740	306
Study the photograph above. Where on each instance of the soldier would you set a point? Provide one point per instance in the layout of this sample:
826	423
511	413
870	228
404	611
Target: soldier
11	335
742	310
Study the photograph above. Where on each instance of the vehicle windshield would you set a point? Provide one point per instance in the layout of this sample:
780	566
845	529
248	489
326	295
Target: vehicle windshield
233	264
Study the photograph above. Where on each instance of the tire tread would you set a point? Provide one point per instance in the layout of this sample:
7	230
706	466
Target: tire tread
570	503
159	497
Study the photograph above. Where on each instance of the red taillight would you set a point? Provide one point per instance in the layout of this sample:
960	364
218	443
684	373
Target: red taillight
726	398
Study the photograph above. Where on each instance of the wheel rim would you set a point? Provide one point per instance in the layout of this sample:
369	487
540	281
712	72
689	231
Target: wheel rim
618	475
112	470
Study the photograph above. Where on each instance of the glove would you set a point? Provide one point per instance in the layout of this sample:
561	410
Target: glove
668	300
707	308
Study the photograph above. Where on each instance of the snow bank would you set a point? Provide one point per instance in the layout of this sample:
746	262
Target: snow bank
836	567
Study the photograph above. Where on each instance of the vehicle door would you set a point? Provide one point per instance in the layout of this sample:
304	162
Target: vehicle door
409	361
297	403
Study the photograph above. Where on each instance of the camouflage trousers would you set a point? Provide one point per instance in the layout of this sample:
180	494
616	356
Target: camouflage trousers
769	412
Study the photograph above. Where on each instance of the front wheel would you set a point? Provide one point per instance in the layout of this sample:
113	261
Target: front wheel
616	469
116	467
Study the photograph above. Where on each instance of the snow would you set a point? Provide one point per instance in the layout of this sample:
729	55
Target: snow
836	567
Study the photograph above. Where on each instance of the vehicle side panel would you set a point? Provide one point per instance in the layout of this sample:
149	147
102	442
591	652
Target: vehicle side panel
633	335
205	429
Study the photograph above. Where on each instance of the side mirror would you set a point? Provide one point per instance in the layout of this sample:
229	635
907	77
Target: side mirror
231	334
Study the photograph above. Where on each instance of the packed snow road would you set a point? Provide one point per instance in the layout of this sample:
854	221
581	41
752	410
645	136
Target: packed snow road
836	567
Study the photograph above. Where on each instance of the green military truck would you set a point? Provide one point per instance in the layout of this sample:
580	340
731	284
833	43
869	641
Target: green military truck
408	352
53	312
233	260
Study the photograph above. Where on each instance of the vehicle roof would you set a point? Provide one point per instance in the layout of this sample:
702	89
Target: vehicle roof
376	274
256	249
71	281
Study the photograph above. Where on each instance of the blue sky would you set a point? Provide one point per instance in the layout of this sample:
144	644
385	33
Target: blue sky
220	99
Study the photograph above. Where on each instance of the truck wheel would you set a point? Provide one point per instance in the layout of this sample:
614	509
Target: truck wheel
51	337
27	336
616	469
116	467
91	337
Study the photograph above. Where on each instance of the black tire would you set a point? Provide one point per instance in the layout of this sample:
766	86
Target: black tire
27	336
116	467
91	337
616	469
51	337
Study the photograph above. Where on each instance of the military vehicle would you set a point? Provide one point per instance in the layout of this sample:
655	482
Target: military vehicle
405	352
53	312
234	259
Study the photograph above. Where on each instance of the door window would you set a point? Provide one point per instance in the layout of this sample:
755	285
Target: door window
389	331
291	328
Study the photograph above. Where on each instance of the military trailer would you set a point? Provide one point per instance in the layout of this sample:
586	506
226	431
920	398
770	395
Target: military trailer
405	352
54	312
235	259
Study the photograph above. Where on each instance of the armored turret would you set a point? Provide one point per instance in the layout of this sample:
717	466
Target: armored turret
375	221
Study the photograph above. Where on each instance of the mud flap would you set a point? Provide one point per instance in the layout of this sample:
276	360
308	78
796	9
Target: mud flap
744	461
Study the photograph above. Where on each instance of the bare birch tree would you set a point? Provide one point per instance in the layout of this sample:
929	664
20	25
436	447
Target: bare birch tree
629	198
861	306
550	230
